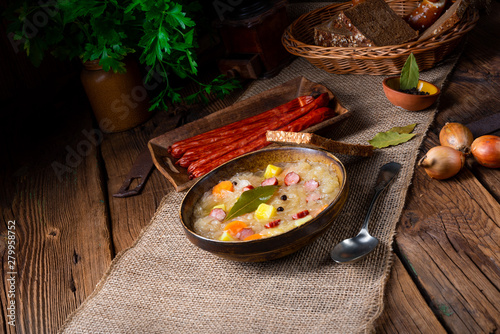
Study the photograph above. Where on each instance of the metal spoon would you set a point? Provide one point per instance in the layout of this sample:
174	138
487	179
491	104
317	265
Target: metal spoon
361	245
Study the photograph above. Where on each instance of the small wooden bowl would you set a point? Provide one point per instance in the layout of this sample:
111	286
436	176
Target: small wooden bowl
409	101
276	246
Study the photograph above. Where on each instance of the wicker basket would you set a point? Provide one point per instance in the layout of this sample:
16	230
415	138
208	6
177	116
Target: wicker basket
298	39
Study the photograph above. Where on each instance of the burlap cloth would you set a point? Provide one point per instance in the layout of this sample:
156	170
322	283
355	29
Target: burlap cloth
164	284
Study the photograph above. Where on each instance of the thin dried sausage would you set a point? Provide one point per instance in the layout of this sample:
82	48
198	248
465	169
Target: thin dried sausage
301	119
296	103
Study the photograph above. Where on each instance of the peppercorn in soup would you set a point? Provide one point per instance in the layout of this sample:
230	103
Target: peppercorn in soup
275	200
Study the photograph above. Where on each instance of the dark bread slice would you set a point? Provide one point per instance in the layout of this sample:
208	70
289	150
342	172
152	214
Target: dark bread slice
334	33
375	20
305	139
447	20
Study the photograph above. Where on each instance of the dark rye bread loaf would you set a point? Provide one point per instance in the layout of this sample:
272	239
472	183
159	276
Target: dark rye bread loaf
333	33
447	20
375	20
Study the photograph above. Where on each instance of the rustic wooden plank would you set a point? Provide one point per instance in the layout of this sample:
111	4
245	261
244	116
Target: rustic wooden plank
405	310
62	238
489	178
472	91
449	235
476	75
119	150
474	86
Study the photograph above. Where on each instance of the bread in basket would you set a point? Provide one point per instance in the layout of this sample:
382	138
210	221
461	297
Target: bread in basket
298	39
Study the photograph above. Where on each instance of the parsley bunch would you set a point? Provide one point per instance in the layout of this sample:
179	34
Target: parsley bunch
161	32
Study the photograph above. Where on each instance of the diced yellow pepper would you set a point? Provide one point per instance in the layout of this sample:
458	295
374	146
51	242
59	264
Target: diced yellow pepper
226	236
220	206
272	171
302	221
265	211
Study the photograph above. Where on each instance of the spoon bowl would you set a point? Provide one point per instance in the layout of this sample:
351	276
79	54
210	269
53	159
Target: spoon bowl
354	249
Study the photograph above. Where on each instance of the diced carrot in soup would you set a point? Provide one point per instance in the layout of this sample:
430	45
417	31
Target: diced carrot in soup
253	237
234	227
219	189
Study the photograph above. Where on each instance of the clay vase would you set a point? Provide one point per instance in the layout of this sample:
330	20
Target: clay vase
119	100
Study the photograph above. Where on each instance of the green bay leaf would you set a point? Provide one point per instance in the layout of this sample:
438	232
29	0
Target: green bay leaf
409	74
384	139
404	129
250	200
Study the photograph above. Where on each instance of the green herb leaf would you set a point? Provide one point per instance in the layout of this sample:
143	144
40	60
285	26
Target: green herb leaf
384	139
163	33
404	129
409	73
250	200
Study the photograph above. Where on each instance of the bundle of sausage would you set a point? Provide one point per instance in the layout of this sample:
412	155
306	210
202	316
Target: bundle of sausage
204	152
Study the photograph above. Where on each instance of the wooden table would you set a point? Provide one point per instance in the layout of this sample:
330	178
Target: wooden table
446	272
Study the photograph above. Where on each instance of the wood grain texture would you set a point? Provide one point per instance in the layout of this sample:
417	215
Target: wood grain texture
448	240
472	91
405	309
449	233
451	240
489	178
62	238
130	215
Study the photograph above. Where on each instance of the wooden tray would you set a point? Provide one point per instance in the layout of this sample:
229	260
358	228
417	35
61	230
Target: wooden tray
254	105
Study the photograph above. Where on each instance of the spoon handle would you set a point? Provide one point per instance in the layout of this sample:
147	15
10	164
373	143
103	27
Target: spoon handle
370	209
386	175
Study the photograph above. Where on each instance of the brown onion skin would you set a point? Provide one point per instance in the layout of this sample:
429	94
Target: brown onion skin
442	162
457	136
486	150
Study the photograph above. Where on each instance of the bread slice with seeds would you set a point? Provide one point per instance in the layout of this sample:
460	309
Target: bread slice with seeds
334	34
375	20
369	23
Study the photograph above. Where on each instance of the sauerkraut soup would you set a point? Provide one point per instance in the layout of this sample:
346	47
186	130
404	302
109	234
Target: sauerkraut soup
279	198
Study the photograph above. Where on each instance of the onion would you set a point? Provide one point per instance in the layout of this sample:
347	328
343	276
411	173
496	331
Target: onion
442	162
457	136
486	150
